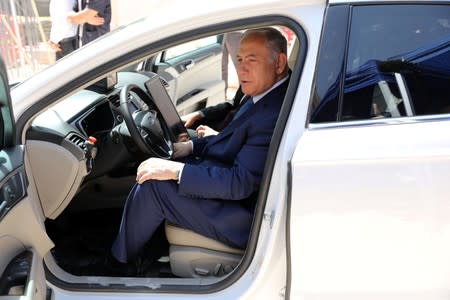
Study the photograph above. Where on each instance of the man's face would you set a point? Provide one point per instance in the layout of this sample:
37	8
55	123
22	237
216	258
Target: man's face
257	68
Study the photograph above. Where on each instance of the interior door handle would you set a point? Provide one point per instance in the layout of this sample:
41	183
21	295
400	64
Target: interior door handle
188	64
14	279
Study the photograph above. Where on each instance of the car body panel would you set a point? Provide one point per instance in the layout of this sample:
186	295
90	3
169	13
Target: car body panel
380	204
354	210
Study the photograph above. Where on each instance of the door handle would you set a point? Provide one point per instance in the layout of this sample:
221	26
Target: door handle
186	65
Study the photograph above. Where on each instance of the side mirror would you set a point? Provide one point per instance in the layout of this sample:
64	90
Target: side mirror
105	84
111	80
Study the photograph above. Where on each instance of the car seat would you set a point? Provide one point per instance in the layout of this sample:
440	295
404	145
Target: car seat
193	255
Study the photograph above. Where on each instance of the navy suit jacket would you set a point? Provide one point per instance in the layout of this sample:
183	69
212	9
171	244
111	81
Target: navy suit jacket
230	165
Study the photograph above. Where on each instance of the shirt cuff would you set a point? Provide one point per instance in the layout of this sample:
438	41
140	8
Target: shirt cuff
180	171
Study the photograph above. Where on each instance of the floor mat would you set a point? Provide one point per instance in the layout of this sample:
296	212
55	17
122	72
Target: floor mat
83	241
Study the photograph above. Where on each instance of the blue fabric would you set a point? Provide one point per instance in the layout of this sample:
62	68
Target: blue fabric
248	102
433	58
212	196
430	60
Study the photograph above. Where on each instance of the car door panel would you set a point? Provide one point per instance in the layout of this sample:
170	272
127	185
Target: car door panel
12	186
195	78
20	230
18	280
378	204
23	240
10	247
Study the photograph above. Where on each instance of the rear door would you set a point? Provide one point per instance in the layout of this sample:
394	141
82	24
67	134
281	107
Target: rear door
370	213
23	241
193	72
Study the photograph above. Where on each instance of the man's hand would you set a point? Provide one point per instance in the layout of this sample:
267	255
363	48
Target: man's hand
204	130
191	118
95	20
87	15
182	149
158	169
54	46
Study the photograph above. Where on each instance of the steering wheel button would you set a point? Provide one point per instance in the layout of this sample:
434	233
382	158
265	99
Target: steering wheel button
144	133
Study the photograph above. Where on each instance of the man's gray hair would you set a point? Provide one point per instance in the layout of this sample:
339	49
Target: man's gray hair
275	41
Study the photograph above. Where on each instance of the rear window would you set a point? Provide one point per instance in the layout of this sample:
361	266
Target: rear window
397	63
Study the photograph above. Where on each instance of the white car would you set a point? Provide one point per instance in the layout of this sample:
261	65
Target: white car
355	200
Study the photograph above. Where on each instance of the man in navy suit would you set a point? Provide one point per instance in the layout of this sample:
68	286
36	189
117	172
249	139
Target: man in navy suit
207	189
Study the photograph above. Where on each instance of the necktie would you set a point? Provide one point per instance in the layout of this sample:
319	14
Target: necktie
243	107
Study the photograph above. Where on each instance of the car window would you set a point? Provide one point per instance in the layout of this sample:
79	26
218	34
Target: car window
2	99
329	69
189	46
6	121
398	63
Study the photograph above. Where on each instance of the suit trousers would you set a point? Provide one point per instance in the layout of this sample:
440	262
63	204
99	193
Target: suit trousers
151	203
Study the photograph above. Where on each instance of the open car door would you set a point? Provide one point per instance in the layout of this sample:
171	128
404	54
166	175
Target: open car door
23	241
193	72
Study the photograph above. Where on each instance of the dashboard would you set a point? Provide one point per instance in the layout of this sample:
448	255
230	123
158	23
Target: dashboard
89	113
84	139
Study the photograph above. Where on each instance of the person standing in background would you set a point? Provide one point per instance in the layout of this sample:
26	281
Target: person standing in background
63	34
231	42
88	14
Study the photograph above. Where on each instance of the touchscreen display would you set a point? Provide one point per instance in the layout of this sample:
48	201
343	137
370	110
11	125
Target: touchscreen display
165	106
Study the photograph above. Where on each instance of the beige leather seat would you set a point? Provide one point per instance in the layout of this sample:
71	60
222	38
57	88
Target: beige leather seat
194	255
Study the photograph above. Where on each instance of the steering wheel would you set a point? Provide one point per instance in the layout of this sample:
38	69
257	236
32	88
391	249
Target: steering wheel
145	124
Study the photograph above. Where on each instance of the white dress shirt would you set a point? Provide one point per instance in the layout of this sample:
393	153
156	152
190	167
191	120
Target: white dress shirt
61	27
256	98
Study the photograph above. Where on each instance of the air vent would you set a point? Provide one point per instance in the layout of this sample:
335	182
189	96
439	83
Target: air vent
77	140
114	100
164	82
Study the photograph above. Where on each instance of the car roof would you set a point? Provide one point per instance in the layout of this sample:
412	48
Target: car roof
164	21
379	2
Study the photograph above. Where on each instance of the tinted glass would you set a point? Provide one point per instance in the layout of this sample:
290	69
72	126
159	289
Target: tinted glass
398	61
330	65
